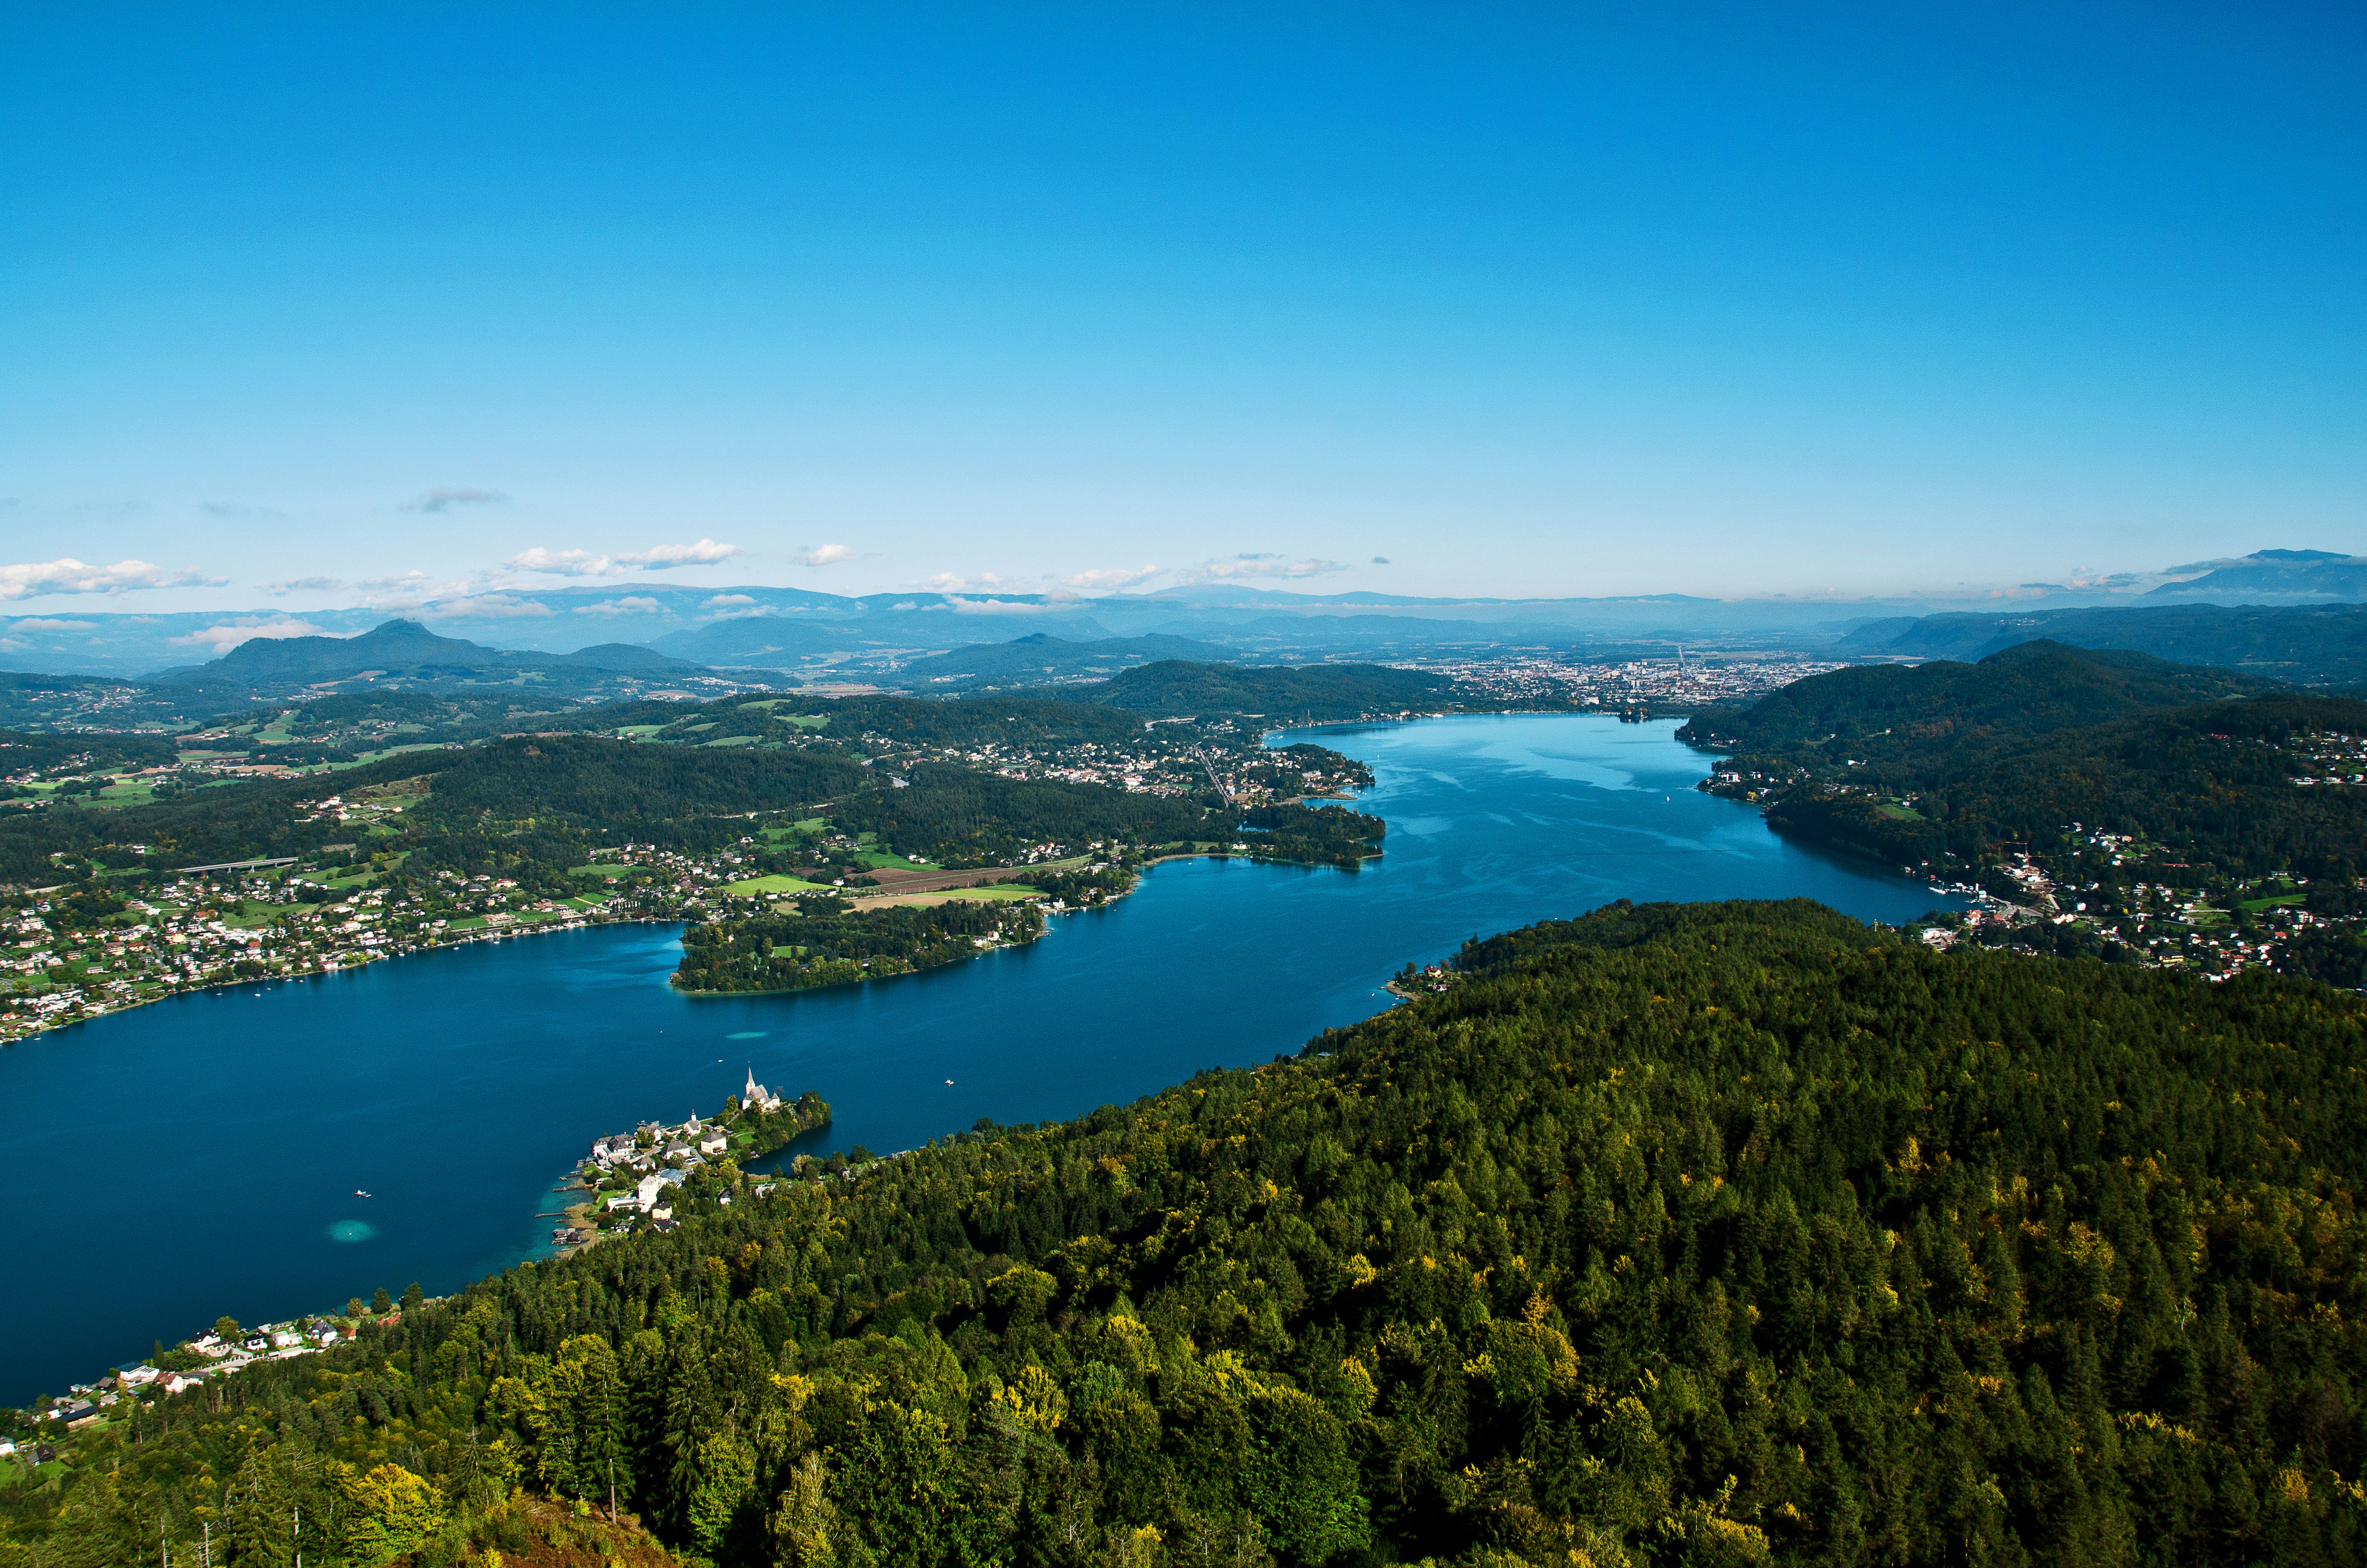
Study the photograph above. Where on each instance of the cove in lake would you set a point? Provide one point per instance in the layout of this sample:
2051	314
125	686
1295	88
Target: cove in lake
202	1155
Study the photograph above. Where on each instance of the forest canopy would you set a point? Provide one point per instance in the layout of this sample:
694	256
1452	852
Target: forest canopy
1709	1233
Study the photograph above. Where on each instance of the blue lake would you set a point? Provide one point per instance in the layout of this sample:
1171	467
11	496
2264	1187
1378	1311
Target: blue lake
202	1155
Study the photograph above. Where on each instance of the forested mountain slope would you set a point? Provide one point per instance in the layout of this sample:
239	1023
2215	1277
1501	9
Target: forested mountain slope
1947	763
2315	645
1882	711
2105	793
1708	1234
2214	783
1173	687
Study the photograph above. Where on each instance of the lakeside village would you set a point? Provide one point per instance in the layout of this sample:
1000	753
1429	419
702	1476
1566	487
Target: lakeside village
42	1432
631	1181
76	951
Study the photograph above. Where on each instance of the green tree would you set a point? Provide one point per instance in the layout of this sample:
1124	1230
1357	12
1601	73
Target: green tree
389	1512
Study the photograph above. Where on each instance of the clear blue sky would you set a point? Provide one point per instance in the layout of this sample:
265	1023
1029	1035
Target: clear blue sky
1524	300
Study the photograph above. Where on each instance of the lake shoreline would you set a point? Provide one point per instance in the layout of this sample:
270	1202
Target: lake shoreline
366	960
457	1091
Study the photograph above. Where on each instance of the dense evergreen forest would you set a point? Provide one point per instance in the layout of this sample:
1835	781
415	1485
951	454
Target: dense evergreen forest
1715	1233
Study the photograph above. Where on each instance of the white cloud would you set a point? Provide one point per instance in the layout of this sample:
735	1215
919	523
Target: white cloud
725	601
825	555
1380	561
490	606
658	556
621	607
306	586
67	575
1266	564
443	499
565	562
1113	576
44	623
584	563
221	639
954	583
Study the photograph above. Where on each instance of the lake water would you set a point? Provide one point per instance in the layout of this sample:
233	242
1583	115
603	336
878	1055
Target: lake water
202	1155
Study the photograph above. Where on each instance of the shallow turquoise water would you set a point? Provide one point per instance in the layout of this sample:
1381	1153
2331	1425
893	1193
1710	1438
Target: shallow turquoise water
455	1087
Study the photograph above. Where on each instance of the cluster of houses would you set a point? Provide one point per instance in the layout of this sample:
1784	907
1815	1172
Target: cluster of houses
89	1403
664	1155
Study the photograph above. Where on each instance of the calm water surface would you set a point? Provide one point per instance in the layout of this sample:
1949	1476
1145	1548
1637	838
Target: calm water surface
202	1155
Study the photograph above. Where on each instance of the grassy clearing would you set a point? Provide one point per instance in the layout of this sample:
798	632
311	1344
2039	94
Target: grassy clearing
635	732
608	868
2282	901
874	860
776	883
731	740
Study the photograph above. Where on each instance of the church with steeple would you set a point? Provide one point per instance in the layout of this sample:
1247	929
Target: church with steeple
758	1097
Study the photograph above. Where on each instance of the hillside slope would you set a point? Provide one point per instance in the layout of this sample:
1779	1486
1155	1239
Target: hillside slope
1710	1233
2314	645
2026	691
1172	687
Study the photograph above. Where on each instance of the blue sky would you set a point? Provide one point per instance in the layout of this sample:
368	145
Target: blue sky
1543	299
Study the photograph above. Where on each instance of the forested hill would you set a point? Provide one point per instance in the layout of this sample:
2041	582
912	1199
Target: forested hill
1172	687
2308	645
2032	689
529	790
2090	787
1709	1233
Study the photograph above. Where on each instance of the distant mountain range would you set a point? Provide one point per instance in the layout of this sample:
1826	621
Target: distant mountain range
872	637
2272	576
401	649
